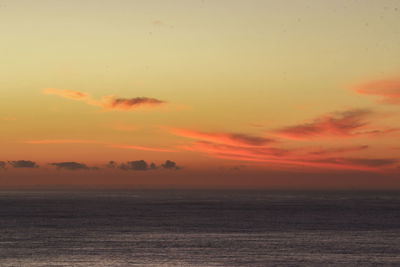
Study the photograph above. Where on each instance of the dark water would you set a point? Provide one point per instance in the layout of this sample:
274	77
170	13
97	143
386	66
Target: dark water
199	228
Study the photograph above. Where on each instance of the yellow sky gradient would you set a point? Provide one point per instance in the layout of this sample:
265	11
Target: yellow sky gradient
223	88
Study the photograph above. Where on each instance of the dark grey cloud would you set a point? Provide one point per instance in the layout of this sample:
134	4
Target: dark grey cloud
138	165
153	166
374	162
132	103
111	164
237	168
141	165
2	165
23	164
338	150
170	165
70	166
250	140
369	162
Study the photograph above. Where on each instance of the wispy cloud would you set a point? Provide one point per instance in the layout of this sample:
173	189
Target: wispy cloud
388	90
343	124
223	138
331	164
368	162
107	103
257	125
213	148
71	94
337	150
124	127
278	157
144	148
379	132
107	144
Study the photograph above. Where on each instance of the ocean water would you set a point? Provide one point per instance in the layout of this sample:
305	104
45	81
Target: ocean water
199	228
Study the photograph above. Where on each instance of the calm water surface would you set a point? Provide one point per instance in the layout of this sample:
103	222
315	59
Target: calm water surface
199	228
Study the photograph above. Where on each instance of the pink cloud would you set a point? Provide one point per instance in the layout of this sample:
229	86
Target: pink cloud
343	124
336	165
286	157
223	138
388	90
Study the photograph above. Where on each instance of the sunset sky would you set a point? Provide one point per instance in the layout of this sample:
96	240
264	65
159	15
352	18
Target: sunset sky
223	93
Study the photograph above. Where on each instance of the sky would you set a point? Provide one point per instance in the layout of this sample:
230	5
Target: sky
227	94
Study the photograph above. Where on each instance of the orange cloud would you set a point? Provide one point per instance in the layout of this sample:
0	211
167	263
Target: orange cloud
223	138
388	90
111	102
344	124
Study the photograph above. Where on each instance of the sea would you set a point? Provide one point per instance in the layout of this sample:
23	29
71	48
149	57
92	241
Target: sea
257	228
